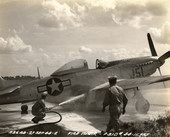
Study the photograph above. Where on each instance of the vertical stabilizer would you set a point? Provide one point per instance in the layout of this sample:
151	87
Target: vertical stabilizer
2	83
39	77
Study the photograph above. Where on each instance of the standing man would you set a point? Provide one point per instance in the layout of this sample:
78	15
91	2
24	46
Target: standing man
39	108
116	99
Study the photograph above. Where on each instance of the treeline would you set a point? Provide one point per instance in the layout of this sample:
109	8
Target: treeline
19	77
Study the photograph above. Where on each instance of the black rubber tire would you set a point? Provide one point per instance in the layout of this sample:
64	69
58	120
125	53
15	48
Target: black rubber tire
24	109
142	106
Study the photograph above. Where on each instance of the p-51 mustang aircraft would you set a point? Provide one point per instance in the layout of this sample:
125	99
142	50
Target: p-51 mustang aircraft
75	82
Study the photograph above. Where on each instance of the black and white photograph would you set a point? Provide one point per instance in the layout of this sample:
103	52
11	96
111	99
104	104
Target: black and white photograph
84	68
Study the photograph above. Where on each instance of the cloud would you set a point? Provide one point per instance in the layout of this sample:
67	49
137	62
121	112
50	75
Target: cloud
20	61
115	54
85	50
162	35
74	55
122	12
66	14
158	7
135	12
122	53
60	16
13	44
145	52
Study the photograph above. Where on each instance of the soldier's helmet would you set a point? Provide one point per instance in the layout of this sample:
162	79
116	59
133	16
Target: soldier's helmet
112	80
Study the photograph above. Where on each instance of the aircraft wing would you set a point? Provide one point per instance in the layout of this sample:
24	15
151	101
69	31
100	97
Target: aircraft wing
137	82
8	89
124	83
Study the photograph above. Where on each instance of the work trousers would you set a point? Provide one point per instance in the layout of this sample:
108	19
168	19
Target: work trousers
115	112
39	114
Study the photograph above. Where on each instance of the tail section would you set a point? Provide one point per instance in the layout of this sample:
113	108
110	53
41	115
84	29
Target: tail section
39	77
2	83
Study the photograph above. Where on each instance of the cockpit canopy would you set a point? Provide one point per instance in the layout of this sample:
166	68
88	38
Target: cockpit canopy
71	67
100	64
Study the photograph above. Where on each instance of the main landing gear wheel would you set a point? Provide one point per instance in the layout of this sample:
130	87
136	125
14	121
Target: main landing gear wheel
142	106
24	109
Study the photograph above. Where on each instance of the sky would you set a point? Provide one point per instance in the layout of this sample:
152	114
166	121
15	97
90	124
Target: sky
50	33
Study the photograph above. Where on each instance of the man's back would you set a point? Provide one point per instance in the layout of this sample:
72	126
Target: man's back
114	96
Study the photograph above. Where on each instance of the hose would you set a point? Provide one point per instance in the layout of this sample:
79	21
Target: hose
55	122
52	111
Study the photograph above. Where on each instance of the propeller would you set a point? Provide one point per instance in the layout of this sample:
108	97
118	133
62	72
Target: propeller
151	45
162	61
153	52
164	57
152	48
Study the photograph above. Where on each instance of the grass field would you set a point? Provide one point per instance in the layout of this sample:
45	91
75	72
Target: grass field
159	127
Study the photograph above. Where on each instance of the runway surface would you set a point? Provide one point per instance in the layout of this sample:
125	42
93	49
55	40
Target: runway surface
11	119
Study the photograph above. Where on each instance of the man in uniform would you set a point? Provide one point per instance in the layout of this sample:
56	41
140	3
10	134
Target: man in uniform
39	108
116	99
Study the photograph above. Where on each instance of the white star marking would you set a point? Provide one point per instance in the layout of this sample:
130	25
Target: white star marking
54	86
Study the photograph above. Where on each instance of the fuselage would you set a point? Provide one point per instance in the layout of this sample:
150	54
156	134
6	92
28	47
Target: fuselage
61	87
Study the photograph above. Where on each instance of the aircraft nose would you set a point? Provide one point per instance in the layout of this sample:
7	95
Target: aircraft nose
161	63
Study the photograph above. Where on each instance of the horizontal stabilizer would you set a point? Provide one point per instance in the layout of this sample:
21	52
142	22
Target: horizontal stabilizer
8	90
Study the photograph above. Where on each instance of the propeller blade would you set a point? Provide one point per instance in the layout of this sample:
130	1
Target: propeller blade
164	56
161	75
160	71
151	45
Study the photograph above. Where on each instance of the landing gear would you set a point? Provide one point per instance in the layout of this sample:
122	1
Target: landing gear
24	109
142	106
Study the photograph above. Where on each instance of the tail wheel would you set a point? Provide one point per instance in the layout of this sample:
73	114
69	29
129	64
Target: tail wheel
142	106
24	109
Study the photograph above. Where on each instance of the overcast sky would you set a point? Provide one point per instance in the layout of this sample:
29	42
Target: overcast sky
50	33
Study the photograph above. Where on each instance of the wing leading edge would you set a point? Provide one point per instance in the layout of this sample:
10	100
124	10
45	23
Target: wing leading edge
124	83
